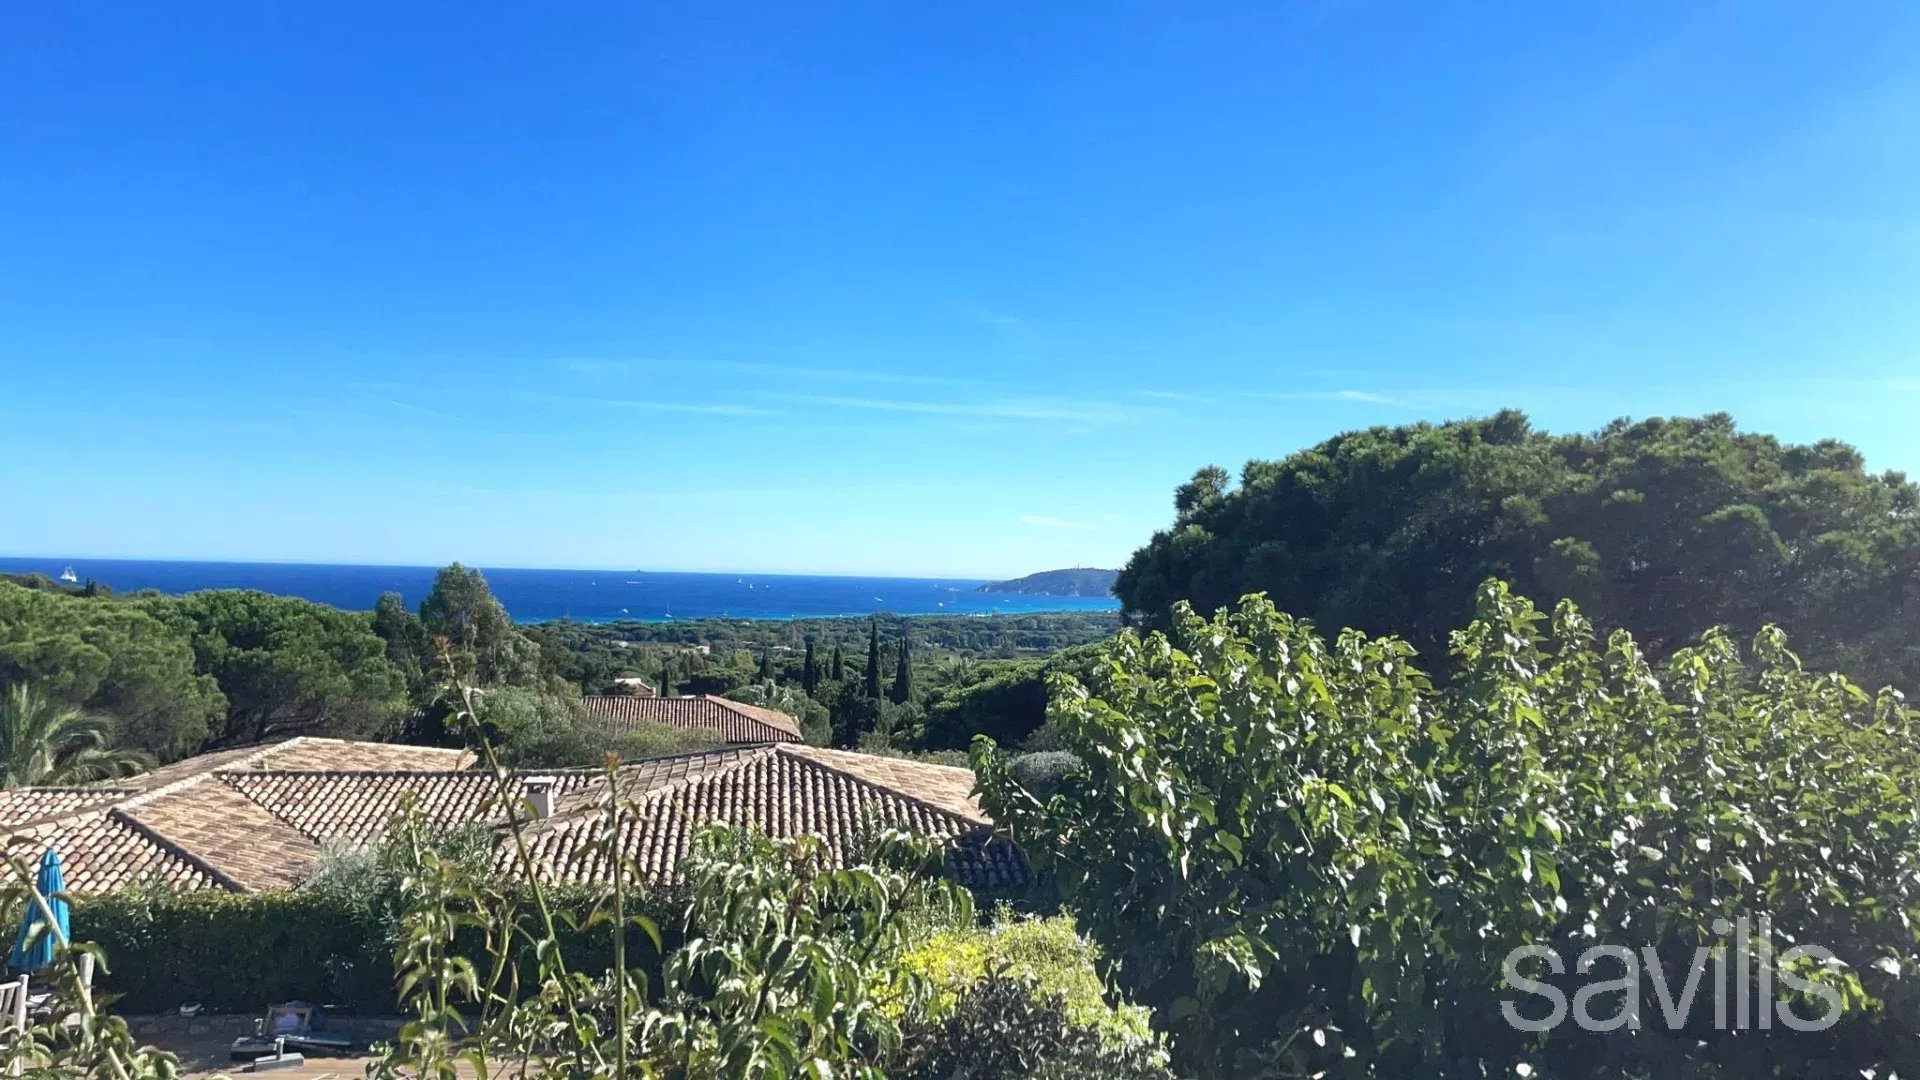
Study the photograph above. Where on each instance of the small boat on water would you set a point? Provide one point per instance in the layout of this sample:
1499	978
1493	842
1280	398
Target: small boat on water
69	576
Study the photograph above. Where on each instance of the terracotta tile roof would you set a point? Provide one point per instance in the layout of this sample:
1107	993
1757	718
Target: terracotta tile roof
253	825
21	805
356	807
188	768
230	834
782	791
640	779
942	786
305	753
731	720
337	755
182	825
102	851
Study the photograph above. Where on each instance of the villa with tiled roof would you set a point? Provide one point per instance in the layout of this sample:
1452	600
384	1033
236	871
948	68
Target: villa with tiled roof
733	721
183	825
259	820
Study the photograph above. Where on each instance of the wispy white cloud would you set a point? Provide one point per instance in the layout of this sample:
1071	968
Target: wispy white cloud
381	393
1064	411
986	314
601	367
706	408
844	375
597	366
408	406
1362	397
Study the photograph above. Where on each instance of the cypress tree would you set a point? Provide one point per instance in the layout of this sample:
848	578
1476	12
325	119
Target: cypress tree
839	665
809	674
766	662
873	659
902	675
666	678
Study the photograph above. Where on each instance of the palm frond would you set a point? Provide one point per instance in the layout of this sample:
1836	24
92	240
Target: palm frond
47	742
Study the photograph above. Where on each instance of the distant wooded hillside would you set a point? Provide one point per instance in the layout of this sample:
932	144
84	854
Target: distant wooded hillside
1079	581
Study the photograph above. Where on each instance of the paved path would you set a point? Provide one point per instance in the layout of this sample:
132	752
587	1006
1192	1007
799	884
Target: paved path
203	1043
352	1067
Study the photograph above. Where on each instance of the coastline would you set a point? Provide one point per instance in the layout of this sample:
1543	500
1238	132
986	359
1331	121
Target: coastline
533	596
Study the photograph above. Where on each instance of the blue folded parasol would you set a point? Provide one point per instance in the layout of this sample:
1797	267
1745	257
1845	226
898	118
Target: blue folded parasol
33	948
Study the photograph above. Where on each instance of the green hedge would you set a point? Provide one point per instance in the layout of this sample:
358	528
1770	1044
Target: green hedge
239	952
234	952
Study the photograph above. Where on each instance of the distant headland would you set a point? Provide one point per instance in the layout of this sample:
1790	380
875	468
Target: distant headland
1079	581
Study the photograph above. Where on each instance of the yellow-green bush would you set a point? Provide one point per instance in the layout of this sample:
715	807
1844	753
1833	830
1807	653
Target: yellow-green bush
1048	951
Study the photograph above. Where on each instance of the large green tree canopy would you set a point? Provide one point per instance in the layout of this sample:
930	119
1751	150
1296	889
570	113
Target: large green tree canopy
463	610
1663	527
287	666
113	658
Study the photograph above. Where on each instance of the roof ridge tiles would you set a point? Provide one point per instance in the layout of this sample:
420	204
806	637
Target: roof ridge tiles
798	753
225	773
735	720
751	712
75	789
735	758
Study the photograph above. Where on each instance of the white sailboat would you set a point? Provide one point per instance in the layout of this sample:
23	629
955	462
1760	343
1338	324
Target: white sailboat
69	576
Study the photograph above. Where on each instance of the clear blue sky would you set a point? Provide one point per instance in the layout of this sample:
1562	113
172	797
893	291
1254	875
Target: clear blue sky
905	288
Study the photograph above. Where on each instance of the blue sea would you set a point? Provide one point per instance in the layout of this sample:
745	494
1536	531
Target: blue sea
585	595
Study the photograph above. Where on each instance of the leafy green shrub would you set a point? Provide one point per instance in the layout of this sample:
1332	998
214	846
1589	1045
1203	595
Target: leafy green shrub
1048	736
369	877
773	931
1006	1027
1043	771
895	727
1049	953
1303	858
779	969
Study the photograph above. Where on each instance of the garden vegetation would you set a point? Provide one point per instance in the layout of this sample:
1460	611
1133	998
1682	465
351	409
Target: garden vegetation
1288	841
1307	860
